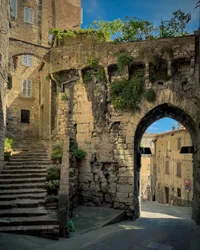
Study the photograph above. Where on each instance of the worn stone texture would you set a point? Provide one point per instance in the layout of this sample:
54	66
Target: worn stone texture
109	174
4	45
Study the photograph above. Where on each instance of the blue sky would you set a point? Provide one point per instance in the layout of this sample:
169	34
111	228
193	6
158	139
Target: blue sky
151	10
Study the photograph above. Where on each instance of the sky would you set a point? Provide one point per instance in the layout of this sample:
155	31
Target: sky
151	10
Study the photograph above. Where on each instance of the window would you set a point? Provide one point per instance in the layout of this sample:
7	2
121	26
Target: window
178	192
28	15
179	144
178	169
27	60
27	88
149	167
13	8
25	116
166	167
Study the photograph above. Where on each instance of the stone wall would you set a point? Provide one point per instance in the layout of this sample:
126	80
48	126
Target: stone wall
4	41
110	172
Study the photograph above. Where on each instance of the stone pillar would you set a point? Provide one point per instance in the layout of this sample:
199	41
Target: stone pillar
106	73
192	66
80	73
63	201
169	68
147	82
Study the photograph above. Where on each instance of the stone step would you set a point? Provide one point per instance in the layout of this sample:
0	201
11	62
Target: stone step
23	212
48	231
28	163
22	175
31	154
21	203
17	192
25	157
24	180
24	171
34	220
25	167
22	186
9	197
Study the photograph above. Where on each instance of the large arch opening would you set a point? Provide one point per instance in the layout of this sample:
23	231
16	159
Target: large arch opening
159	112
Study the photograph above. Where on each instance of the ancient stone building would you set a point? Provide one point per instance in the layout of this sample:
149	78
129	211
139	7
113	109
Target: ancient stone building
110	173
170	168
29	42
51	100
4	40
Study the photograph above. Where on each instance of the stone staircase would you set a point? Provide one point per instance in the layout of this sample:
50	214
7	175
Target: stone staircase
22	192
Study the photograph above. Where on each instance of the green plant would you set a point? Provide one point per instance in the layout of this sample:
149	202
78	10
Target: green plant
93	62
79	153
124	60
48	77
52	187
64	97
127	94
151	95
52	197
100	74
57	152
8	143
53	173
72	145
88	76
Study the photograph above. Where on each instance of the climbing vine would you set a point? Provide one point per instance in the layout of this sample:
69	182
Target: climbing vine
128	94
124	60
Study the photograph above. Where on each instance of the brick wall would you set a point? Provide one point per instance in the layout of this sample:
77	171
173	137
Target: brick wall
4	41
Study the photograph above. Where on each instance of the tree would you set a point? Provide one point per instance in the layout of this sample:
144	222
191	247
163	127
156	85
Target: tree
175	26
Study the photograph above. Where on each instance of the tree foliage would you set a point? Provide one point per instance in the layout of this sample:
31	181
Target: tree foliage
175	26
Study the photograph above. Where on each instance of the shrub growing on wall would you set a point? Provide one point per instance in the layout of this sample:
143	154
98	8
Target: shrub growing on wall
127	94
124	60
8	143
57	153
151	95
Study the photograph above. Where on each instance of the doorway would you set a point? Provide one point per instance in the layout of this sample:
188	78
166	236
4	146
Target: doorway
166	195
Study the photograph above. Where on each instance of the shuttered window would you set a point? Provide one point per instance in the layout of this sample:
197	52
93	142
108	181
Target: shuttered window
27	88
28	15
27	60
13	8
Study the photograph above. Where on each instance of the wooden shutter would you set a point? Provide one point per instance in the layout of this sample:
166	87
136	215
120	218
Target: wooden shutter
29	88
24	88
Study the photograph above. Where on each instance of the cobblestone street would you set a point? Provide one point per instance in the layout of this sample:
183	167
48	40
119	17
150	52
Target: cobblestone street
160	227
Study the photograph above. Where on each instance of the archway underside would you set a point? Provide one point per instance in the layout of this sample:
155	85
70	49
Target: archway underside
164	110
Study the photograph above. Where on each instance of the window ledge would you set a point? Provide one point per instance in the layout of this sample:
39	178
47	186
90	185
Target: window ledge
27	98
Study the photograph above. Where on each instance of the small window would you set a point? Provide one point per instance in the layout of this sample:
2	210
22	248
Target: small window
166	167
28	15
27	60
25	116
178	169
179	144
178	192
27	88
13	8
149	167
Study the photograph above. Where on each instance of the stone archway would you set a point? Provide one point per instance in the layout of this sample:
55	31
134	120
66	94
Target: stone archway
161	111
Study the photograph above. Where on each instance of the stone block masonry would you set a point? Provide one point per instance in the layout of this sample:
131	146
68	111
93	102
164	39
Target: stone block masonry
4	44
109	175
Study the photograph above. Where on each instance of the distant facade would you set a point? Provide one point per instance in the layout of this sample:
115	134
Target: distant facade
170	168
145	175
